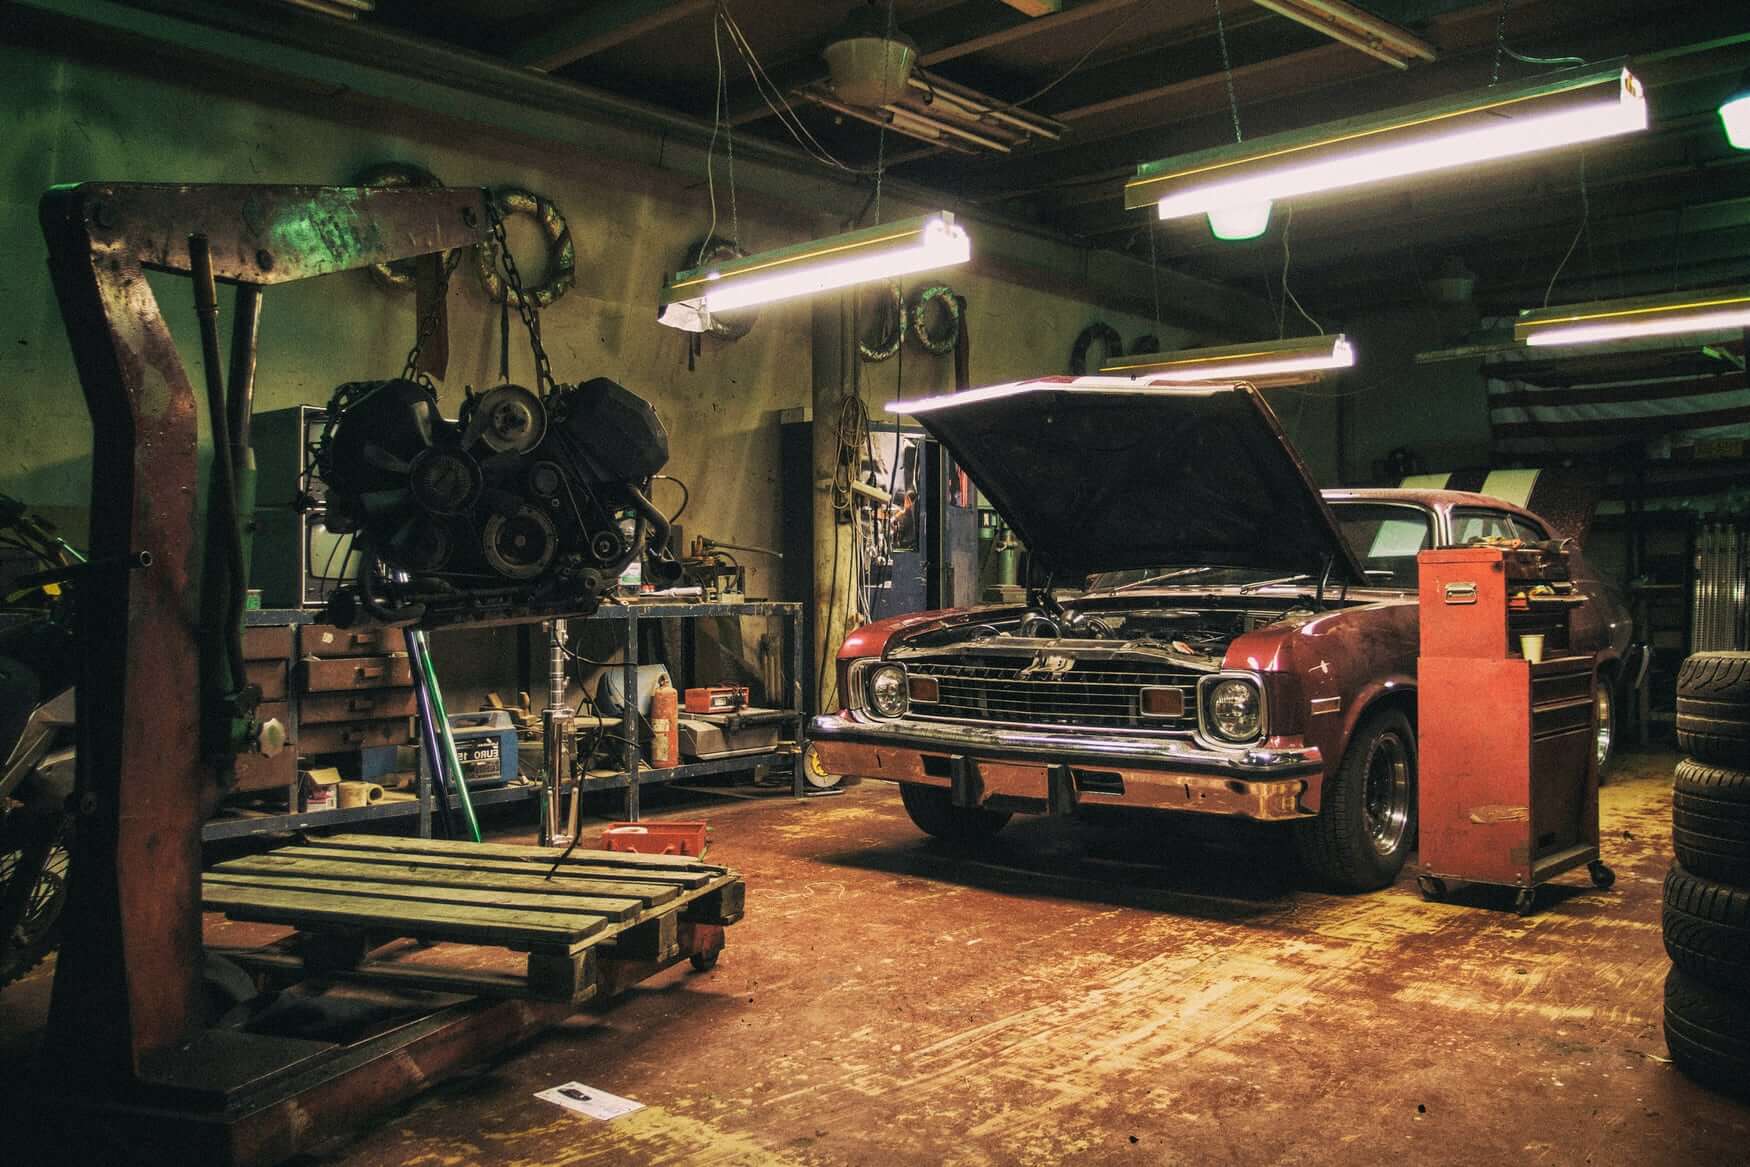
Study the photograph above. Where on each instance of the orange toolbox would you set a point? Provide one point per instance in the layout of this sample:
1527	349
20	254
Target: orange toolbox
668	838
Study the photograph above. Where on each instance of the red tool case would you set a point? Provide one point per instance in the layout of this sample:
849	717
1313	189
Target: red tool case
1508	776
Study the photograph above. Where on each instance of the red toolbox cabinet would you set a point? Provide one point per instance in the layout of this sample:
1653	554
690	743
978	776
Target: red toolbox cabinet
1508	779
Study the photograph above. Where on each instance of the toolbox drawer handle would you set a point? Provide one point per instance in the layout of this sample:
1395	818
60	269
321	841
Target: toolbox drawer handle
362	638
1463	592
361	704
368	672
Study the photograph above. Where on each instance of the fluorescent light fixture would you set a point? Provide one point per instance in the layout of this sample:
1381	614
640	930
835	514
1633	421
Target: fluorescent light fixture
1093	386
1241	222
875	253
1670	315
1735	116
1273	362
1502	123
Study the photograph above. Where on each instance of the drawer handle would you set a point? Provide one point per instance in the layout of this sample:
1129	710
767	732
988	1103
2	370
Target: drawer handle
368	673
351	736
1461	593
363	638
361	705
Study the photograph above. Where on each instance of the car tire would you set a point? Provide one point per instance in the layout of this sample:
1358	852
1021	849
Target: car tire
1367	813
1604	744
1707	929
1713	707
1710	821
1708	1032
934	812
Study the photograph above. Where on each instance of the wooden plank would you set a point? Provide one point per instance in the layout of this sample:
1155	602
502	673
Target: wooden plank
515	851
511	866
519	901
437	865
431	977
313	910
599	892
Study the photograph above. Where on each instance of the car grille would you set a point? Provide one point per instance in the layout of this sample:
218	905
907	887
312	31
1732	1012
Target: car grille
1096	694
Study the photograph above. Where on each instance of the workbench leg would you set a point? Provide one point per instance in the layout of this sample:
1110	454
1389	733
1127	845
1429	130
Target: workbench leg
794	625
629	718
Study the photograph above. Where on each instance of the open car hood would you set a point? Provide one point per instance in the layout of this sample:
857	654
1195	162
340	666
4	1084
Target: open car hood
1107	473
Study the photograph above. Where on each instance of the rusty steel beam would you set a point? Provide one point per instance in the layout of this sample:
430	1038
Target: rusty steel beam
127	989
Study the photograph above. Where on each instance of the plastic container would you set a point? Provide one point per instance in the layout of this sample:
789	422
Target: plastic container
667	838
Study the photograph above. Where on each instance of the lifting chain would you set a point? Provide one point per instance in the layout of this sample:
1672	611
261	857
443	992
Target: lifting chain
531	321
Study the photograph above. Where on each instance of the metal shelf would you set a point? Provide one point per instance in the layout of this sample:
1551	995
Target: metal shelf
634	772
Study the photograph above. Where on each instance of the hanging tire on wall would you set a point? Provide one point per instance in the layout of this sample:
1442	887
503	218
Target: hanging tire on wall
1713	707
890	317
936	300
1707	929
734	324
1708	1032
402	274
561	254
1111	345
1710	820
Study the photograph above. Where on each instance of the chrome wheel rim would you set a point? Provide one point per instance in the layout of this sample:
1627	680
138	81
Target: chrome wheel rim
1386	797
1606	728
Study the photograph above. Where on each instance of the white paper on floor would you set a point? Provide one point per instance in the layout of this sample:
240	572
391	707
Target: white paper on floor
589	1101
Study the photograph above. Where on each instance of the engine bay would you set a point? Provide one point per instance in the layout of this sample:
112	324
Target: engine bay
1201	633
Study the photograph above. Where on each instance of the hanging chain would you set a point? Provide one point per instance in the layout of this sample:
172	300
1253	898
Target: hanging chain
514	288
1227	68
1500	43
410	371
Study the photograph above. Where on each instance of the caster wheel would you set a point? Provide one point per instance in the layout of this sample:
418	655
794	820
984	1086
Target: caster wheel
1602	875
1432	887
1526	899
705	961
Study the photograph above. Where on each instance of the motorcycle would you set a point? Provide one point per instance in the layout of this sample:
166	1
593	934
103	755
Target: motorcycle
38	579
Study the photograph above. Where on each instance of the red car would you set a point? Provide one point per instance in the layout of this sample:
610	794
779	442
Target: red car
1206	632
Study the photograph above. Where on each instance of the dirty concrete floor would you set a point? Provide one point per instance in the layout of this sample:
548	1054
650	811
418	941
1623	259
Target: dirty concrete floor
1111	992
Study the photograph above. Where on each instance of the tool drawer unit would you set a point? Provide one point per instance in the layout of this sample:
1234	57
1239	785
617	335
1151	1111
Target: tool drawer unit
355	688
267	657
1508	770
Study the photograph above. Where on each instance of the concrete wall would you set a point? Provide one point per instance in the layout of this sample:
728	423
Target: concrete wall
67	120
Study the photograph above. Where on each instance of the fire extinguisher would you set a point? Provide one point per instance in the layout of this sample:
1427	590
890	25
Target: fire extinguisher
665	729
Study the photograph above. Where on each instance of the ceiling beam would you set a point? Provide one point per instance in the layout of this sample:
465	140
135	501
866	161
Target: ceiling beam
1360	30
943	36
1035	7
597	27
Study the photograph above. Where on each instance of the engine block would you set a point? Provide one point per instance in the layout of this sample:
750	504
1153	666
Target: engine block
520	505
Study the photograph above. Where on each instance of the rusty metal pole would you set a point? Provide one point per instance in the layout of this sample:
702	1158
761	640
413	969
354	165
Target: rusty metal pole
833	599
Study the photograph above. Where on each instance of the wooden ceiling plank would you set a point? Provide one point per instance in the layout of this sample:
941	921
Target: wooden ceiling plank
598	27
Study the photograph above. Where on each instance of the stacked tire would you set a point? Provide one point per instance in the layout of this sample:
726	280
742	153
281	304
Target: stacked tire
1707	893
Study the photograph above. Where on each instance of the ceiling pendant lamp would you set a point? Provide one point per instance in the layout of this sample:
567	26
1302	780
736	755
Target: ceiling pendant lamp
883	252
1671	315
1499	123
1269	363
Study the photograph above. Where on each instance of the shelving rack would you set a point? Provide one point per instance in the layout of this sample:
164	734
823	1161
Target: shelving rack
633	775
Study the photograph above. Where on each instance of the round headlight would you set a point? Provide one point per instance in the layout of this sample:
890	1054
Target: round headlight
1233	709
887	691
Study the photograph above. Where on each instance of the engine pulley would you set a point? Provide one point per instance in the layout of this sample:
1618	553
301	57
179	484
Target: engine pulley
521	545
508	419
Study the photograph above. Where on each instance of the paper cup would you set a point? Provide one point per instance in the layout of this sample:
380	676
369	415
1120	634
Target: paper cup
1531	647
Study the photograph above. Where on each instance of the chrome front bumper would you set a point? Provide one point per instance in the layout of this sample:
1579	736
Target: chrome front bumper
1017	768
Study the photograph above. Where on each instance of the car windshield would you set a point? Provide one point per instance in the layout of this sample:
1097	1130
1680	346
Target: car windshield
1386	539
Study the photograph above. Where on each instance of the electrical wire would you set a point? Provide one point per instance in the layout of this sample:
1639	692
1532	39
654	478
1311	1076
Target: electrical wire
1287	292
1117	27
776	102
1585	218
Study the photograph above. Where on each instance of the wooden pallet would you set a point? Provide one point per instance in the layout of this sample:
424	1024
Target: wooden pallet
598	916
